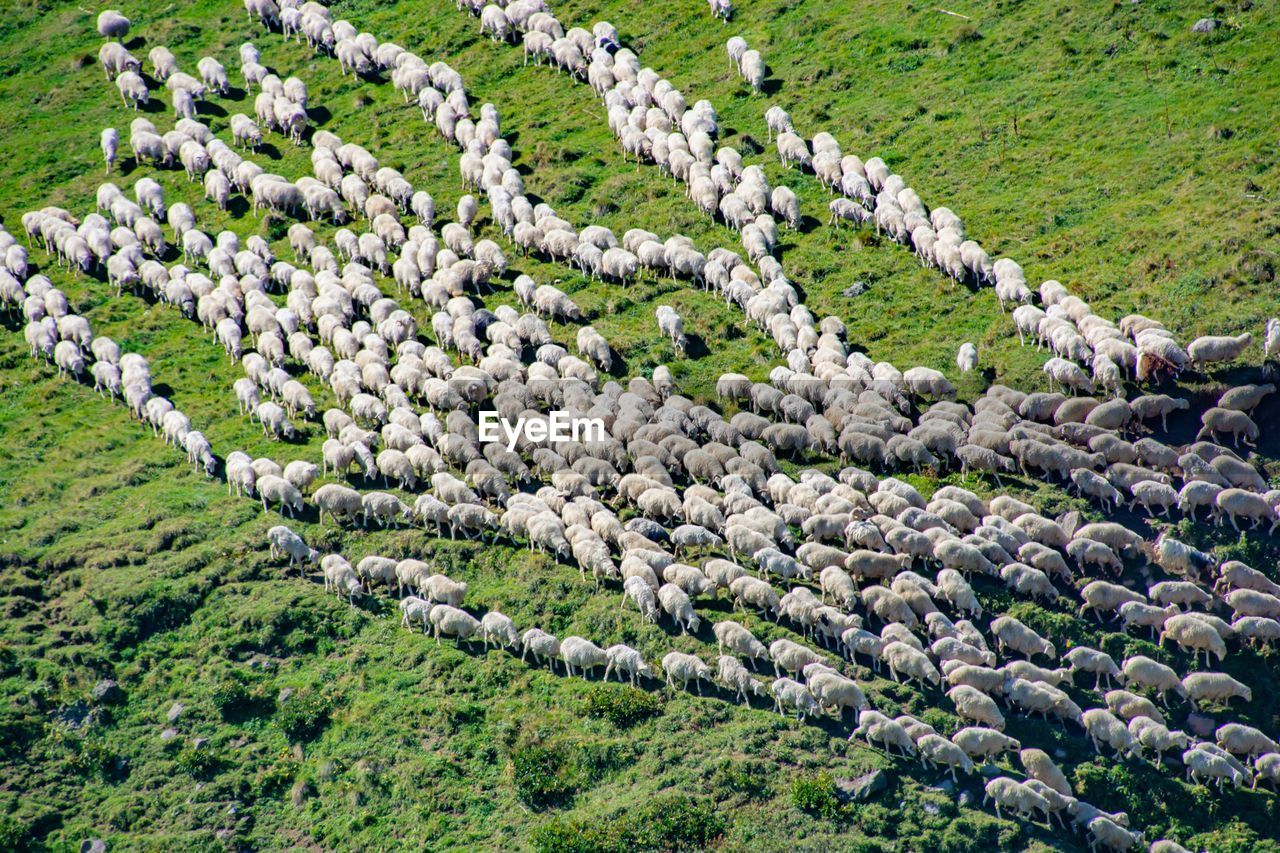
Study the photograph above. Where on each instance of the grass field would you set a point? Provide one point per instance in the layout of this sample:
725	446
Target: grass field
1105	146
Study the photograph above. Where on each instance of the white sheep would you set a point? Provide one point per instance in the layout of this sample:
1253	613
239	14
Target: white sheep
682	667
582	654
454	622
626	661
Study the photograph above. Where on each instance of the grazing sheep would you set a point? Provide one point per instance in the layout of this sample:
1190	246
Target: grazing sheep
626	661
683	668
545	647
1211	349
876	728
581	654
453	622
732	675
1041	767
973	705
979	742
1214	688
1103	727
1193	635
277	489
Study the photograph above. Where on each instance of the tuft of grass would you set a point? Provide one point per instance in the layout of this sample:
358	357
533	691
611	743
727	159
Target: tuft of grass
622	706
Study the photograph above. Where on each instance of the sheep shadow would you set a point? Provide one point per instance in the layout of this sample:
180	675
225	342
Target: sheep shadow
237	207
269	150
695	347
235	93
809	223
211	109
771	85
319	115
153	105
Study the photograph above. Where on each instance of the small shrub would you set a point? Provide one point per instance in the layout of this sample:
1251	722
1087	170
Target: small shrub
14	835
622	706
303	717
539	776
277	227
198	763
674	822
670	822
235	700
816	795
749	778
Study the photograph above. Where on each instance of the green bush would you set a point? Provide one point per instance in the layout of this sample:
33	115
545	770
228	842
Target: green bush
816	795
14	835
622	706
304	716
669	822
198	763
236	700
540	776
749	778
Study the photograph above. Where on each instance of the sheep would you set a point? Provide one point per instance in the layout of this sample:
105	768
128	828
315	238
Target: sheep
545	647
1239	739
1236	503
1238	424
1128	706
449	620
626	661
984	743
955	589
442	589
1267	767
936	751
756	593
1204	765
339	577
1102	830
1014	635
1083	659
902	659
1211	349
974	705
276	489
637	590
338	500
1214	688
1039	766
681	667
1103	727
877	728
752	68
581	654
413	609
1236	575
675	601
737	639
1003	791
732	675
790	656
285	543
834	693
967	357
1193	635
376	568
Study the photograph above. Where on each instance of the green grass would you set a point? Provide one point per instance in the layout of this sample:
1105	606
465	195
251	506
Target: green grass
1105	146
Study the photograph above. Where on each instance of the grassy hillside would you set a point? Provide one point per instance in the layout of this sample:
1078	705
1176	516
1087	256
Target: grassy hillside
1108	147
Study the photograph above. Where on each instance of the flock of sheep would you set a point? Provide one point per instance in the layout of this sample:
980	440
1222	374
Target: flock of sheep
710	510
